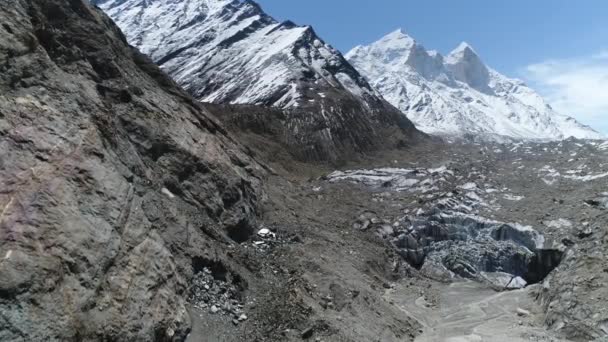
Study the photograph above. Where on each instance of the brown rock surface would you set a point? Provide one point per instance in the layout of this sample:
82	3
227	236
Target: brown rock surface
111	180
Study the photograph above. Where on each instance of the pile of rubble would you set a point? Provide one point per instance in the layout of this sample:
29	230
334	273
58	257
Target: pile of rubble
217	296
264	239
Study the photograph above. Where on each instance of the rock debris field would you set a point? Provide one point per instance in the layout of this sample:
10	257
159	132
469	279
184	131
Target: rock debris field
469	243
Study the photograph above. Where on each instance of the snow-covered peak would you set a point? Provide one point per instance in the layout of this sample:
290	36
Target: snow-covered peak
397	33
394	48
466	66
459	94
397	50
462	49
397	39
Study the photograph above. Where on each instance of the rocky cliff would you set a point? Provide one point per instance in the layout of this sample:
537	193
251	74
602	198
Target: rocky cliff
114	184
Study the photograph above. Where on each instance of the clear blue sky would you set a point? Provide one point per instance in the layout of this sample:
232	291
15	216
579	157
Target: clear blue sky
511	36
507	34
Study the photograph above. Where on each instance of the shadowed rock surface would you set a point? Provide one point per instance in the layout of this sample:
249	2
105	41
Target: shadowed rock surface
309	136
112	180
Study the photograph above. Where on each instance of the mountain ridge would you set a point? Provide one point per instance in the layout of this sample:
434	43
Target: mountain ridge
241	20
231	52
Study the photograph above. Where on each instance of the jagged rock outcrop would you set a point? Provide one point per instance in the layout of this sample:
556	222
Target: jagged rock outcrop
231	52
459	95
112	181
575	297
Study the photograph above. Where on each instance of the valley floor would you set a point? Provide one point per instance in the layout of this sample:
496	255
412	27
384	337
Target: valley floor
466	311
335	266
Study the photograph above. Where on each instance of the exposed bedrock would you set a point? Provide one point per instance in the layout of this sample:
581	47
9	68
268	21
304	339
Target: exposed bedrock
112	180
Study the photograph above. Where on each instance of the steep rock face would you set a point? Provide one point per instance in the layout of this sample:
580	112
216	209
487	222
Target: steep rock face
466	67
231	52
112	181
458	94
575	298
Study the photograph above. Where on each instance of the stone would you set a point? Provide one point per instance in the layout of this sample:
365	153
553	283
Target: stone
365	224
584	233
386	230
265	232
307	333
522	312
516	283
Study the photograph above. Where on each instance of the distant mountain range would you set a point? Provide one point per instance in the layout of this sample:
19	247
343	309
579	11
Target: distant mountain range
231	52
458	93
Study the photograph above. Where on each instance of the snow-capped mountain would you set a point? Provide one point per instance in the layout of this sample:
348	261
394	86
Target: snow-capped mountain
231	52
228	51
458	94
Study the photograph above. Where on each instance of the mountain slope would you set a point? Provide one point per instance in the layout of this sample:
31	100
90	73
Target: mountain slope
458	94
231	52
116	185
